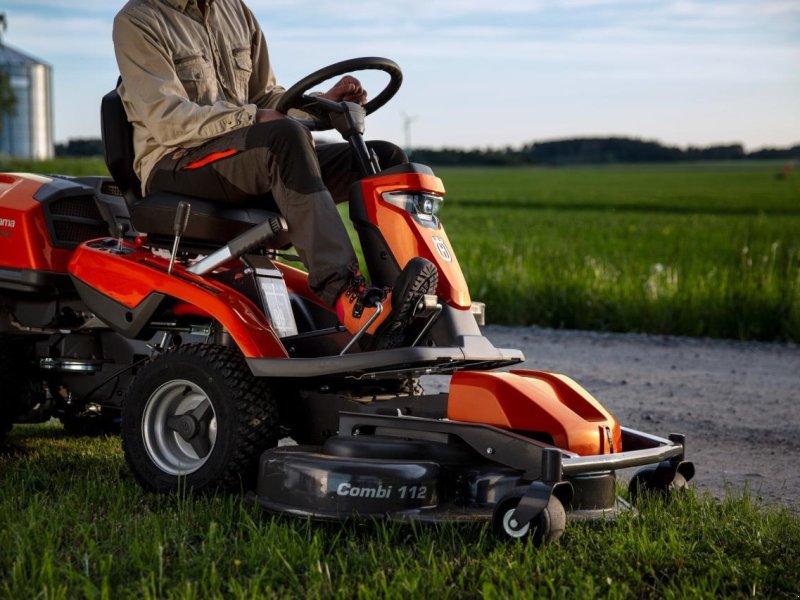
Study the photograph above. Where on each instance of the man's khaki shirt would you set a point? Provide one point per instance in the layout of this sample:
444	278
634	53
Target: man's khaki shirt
189	76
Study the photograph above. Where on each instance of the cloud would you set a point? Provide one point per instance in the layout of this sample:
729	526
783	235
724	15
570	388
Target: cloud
575	54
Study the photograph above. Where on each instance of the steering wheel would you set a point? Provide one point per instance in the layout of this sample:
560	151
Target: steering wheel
319	108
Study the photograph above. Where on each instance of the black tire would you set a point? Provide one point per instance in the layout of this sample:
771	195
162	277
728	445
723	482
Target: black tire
643	485
15	368
546	527
173	392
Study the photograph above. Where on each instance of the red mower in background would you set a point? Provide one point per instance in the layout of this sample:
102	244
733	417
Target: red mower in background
171	318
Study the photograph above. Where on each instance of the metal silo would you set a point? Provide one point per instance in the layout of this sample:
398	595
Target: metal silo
28	133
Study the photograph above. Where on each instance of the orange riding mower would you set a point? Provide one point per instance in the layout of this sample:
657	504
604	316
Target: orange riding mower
178	322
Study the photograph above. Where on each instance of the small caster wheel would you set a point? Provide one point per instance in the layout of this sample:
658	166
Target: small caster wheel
545	527
646	482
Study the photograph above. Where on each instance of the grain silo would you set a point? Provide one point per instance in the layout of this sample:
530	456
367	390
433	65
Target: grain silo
28	132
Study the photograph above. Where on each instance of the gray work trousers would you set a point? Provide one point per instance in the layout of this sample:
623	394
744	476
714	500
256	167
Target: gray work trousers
278	157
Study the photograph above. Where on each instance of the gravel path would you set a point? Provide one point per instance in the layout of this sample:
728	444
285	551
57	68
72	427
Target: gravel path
737	402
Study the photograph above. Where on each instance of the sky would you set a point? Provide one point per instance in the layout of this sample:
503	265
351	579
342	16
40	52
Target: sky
483	73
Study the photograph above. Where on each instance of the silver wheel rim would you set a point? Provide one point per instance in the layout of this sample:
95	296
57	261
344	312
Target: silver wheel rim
511	526
179	427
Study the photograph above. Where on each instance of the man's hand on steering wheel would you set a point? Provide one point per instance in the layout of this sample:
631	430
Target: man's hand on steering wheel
347	89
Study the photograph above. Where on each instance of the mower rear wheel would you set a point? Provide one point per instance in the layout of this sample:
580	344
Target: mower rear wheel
196	413
545	527
643	484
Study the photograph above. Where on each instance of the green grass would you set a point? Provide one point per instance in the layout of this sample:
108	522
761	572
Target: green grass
711	249
74	524
708	250
57	166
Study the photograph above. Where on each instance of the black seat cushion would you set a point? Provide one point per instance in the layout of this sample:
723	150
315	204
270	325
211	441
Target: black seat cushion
210	223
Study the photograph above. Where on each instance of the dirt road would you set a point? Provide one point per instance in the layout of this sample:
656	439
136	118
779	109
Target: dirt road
737	402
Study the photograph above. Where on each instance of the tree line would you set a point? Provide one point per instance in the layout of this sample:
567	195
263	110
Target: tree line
594	151
577	151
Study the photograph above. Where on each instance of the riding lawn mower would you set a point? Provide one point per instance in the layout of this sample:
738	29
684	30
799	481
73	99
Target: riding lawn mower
175	320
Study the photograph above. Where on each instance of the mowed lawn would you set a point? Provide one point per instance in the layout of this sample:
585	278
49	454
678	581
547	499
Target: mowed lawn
700	250
74	524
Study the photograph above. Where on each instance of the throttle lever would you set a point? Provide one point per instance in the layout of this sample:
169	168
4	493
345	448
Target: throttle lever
179	228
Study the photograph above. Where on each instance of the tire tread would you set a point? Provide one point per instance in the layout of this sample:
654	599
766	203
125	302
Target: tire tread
255	406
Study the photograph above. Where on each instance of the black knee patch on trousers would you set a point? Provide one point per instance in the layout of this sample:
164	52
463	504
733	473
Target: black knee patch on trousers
291	144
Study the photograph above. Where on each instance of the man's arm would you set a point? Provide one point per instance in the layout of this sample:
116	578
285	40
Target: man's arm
155	97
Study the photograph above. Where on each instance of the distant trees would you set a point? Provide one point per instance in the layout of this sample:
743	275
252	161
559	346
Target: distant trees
577	151
594	151
84	147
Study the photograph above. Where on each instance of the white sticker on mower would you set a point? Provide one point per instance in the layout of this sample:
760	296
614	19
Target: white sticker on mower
410	492
444	251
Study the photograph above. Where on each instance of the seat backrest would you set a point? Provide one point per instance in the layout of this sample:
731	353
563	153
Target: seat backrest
118	150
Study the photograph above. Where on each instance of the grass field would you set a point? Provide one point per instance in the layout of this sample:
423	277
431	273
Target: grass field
74	524
701	250
706	250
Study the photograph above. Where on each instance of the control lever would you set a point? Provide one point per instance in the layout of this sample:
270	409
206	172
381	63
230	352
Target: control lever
120	236
179	228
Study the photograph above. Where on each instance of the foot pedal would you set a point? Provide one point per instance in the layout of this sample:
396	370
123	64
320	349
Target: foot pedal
428	308
428	305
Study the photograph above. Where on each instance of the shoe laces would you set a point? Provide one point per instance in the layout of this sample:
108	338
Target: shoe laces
355	288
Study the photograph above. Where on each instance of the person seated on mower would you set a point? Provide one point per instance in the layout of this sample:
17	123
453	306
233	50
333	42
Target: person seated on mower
198	87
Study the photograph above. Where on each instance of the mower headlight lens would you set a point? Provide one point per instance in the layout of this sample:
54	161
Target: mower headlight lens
422	205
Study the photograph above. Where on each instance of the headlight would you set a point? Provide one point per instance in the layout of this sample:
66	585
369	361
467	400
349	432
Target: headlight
422	205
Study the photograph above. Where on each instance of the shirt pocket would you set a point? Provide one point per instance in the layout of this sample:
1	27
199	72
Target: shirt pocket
198	78
243	69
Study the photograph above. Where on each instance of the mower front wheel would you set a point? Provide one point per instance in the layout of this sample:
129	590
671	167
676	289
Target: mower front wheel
545	527
196	413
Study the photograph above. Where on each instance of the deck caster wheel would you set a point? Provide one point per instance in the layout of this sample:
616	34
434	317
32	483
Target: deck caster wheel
196	415
545	527
648	482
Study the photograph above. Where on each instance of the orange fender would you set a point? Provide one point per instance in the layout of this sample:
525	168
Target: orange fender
129	279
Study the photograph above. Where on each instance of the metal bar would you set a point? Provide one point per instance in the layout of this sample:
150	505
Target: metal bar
624	460
239	245
364	327
428	325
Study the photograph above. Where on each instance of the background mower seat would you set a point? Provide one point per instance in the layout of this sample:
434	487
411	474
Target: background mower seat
211	224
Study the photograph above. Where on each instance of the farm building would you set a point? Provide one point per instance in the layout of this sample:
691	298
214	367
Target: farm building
28	132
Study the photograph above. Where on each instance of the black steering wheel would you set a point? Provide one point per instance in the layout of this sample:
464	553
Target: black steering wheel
319	108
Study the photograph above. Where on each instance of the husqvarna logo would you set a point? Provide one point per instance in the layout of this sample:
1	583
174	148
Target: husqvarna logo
444	251
6	225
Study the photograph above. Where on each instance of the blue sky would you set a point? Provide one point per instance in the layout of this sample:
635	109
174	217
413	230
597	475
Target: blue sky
480	73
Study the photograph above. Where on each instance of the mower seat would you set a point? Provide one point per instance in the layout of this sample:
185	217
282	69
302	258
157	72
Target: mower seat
211	224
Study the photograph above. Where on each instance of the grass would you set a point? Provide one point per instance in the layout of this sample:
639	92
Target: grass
57	166
708	250
711	249
74	524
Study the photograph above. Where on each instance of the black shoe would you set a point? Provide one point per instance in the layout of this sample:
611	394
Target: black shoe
419	277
